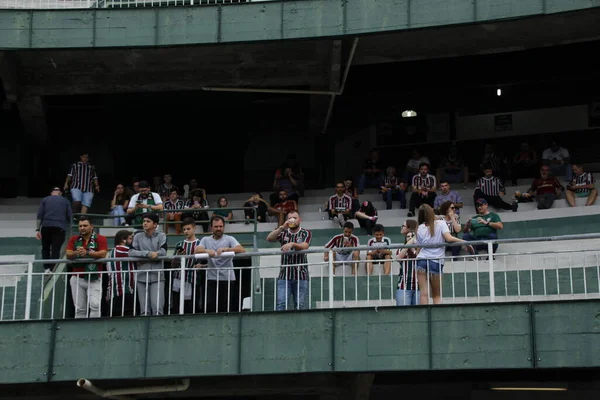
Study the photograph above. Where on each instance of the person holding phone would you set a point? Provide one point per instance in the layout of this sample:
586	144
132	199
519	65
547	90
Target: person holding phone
340	242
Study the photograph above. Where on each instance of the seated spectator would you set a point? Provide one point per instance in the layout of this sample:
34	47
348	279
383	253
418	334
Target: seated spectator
222	210
195	209
448	195
367	216
165	188
483	226
495	161
393	188
379	253
413	166
284	181
582	185
372	173
173	203
144	202
424	188
559	161
544	189
339	206
294	165
260	205
490	188
452	168
282	208
524	163
341	256
119	204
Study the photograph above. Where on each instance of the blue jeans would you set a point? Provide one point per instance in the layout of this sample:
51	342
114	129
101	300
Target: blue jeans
118	211
391	195
407	297
468	237
298	289
84	198
364	181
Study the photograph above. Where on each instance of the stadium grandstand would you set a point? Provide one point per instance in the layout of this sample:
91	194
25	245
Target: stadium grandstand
174	112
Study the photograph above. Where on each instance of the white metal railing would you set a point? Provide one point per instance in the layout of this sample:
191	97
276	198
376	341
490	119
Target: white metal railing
86	4
570	273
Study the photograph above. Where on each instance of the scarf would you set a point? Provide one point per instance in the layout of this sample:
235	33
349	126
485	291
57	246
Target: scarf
140	211
92	245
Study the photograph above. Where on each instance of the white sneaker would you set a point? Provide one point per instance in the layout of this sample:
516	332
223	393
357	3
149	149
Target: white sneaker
47	271
336	220
341	222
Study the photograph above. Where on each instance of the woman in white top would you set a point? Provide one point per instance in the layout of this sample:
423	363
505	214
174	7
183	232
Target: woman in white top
430	260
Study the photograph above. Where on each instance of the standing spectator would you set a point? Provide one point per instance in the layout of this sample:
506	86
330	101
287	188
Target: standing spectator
150	244
407	293
53	218
82	180
186	247
86	285
121	278
293	275
221	287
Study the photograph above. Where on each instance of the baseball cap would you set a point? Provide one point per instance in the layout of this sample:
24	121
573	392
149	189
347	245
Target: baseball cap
56	189
481	201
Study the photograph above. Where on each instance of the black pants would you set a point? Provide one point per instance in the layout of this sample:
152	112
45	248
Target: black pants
122	306
188	305
367	225
416	200
495	201
53	238
227	296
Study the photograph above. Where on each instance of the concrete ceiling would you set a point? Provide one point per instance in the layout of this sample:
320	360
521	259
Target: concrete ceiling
302	63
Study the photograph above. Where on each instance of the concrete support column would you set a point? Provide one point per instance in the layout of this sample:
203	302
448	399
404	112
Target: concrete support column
34	139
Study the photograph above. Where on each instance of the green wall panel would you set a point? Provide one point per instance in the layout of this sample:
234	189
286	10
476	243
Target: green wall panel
192	345
481	337
188	26
14	29
239	24
494	9
309	19
129	27
287	342
440	12
553	6
100	349
381	339
390	15
24	351
568	334
63	29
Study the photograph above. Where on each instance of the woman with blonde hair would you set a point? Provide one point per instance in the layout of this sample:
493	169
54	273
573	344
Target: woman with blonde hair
430	260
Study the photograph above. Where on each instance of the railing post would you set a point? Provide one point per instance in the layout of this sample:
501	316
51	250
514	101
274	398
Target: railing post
490	245
330	274
182	286
29	290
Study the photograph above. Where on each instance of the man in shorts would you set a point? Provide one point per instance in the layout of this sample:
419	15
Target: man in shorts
338	243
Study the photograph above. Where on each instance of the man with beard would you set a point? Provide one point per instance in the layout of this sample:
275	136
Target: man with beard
220	276
144	202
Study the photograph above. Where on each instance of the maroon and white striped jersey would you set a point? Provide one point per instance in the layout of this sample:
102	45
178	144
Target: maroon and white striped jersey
82	176
337	242
340	203
294	266
427	181
490	186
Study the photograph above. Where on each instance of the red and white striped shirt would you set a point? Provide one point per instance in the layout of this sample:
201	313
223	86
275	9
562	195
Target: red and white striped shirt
337	242
340	203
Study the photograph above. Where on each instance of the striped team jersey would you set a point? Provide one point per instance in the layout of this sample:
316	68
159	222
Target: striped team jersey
82	175
407	277
490	186
174	205
188	249
121	278
393	182
385	242
427	181
294	272
337	242
584	179
340	203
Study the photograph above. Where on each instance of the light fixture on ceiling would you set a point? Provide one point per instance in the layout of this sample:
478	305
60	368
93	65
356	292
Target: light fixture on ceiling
530	386
498	92
409	113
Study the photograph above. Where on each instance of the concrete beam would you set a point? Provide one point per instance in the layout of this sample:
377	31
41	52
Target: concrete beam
8	75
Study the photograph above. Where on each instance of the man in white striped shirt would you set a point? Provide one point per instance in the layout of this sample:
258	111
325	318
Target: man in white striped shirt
83	182
582	185
490	187
424	187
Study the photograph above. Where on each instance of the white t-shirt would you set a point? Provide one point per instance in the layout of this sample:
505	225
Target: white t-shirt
412	163
559	154
136	197
424	237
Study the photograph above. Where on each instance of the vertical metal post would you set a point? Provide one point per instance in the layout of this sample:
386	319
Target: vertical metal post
29	289
330	274
182	286
491	271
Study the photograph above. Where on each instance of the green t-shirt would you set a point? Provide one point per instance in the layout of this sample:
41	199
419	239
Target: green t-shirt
480	230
